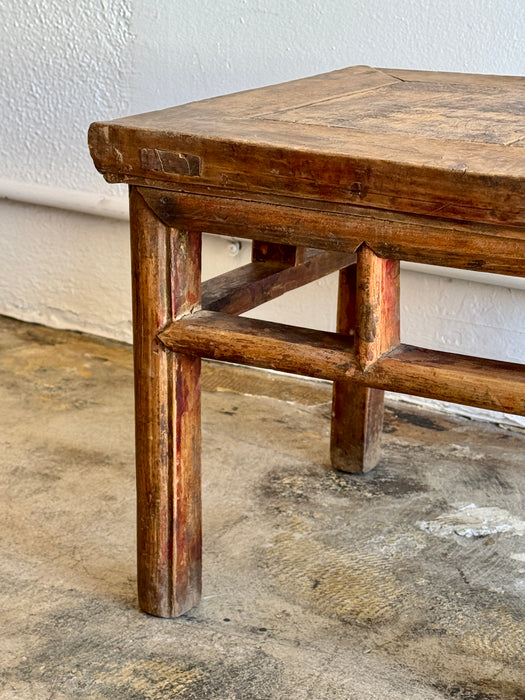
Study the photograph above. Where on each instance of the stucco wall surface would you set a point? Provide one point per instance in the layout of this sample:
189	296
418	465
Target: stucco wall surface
67	64
61	64
192	50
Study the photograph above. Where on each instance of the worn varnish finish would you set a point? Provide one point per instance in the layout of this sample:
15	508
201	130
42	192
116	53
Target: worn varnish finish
440	144
432	240
357	410
369	303
251	285
166	285
385	165
377	325
488	384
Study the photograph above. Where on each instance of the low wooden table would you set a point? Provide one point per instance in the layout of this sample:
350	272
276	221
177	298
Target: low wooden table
354	171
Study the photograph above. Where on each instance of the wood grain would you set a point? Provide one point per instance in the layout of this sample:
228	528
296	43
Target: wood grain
166	280
247	287
424	143
263	344
357	410
498	386
377	326
429	240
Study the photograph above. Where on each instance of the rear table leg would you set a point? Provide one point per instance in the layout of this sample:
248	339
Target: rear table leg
368	305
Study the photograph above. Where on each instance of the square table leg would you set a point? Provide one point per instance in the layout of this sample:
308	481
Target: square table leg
166	285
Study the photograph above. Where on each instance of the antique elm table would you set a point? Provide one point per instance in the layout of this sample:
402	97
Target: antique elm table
353	171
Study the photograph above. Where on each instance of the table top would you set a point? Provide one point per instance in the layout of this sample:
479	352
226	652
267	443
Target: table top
448	145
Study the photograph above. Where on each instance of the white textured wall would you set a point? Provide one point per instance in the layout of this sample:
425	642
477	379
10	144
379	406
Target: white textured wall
61	62
190	50
65	64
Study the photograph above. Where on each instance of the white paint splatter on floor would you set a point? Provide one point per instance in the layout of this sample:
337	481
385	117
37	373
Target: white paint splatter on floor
473	521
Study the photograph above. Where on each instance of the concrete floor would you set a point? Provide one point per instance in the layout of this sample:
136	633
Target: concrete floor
317	584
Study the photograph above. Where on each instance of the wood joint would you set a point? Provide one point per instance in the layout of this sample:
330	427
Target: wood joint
377	306
445	376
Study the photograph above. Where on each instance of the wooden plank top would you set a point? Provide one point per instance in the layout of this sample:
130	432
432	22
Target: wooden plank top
442	144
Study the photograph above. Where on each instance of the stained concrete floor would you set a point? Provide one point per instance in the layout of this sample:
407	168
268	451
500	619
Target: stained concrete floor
317	584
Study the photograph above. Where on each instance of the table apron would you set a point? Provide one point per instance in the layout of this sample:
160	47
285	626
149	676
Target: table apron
422	239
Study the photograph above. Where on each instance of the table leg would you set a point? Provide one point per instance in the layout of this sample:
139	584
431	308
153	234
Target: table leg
263	251
368	305
166	285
